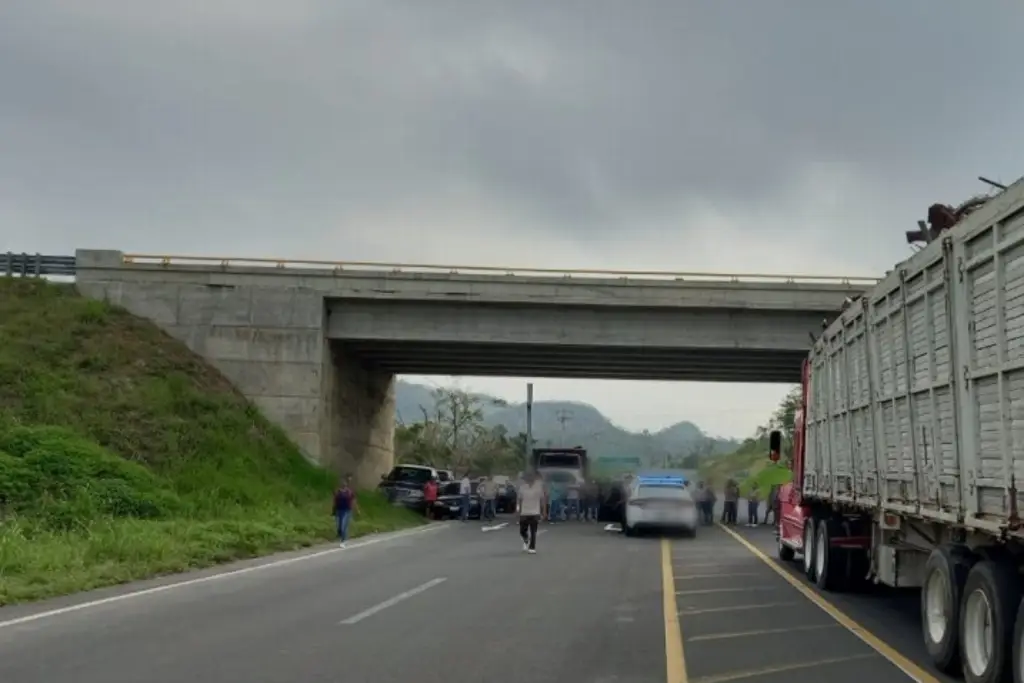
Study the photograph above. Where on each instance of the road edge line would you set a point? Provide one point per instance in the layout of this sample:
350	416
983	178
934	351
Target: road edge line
675	657
370	539
901	662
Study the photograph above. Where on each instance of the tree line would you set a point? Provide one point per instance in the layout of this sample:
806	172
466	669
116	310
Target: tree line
453	435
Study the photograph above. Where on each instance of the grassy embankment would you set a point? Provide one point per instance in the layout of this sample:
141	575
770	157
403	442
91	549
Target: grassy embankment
749	465
123	455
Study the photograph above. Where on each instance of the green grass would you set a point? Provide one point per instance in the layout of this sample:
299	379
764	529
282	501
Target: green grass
748	465
124	456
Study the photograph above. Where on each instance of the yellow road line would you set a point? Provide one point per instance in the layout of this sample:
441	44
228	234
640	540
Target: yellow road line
902	663
764	671
760	632
675	658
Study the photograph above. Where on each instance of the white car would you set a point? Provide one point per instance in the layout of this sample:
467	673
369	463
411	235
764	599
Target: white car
659	503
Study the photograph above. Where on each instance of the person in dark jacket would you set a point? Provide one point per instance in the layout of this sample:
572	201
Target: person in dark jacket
345	506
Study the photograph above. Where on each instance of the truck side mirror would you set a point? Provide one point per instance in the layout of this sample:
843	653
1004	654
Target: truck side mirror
774	445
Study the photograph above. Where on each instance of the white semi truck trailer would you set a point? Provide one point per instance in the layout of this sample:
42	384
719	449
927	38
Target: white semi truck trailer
910	443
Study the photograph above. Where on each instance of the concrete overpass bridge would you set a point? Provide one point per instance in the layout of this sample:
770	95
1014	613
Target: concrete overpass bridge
317	344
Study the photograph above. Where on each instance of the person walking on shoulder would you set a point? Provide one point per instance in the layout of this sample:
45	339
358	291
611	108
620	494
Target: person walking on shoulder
345	506
430	497
530	504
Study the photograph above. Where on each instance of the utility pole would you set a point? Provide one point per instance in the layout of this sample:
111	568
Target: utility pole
563	416
529	426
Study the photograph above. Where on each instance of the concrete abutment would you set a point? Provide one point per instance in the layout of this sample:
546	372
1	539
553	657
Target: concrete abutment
270	343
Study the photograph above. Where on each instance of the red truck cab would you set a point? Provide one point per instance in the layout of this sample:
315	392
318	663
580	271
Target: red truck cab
792	512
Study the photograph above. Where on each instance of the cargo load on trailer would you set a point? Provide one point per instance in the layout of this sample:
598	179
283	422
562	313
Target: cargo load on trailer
910	437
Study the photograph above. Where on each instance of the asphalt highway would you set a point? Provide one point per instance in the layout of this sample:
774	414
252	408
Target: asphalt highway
457	603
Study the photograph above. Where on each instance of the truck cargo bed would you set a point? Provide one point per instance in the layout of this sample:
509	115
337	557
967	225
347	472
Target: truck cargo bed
916	392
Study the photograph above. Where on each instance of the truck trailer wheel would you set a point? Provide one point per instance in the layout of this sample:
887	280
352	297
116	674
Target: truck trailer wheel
808	549
1018	645
831	570
990	602
945	574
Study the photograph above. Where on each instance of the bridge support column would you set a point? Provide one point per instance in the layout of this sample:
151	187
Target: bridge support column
360	427
271	344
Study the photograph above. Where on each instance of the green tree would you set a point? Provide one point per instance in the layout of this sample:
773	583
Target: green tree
453	435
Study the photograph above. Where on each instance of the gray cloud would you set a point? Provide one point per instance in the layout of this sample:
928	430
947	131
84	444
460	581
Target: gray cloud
141	123
785	135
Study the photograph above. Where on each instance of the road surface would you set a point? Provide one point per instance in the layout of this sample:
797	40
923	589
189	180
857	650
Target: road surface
456	603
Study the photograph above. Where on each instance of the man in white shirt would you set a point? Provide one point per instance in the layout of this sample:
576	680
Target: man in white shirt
465	489
530	504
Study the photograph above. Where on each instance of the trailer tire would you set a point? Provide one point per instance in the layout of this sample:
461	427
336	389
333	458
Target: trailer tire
1017	661
831	571
991	592
945	574
810	536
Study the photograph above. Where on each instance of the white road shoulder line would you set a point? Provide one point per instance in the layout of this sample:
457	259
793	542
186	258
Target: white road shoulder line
391	602
213	577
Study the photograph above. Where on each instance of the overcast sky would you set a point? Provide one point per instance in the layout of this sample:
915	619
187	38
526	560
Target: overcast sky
772	136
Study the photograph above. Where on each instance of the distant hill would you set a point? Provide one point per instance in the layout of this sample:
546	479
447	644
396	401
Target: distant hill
585	426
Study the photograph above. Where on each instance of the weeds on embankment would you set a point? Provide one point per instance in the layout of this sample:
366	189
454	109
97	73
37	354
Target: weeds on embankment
124	456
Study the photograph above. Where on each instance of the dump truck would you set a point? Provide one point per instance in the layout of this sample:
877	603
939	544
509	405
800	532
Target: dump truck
565	465
910	438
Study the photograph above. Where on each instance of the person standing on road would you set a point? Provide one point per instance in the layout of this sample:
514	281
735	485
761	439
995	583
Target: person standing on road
554	499
488	491
753	500
591	500
465	489
700	497
712	500
732	498
530	505
573	506
345	506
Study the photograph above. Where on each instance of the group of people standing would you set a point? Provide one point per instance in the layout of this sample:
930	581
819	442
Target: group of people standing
706	498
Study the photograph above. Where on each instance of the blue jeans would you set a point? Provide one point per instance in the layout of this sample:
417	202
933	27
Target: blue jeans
572	509
488	509
343	519
556	510
465	508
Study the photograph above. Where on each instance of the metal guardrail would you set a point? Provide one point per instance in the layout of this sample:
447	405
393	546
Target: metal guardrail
36	265
344	266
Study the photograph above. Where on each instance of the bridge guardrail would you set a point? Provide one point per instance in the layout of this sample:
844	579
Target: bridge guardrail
342	266
36	265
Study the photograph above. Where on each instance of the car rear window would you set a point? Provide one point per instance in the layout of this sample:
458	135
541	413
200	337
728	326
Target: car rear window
416	475
662	492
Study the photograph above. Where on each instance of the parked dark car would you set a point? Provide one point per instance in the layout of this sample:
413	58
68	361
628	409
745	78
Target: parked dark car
449	502
404	485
